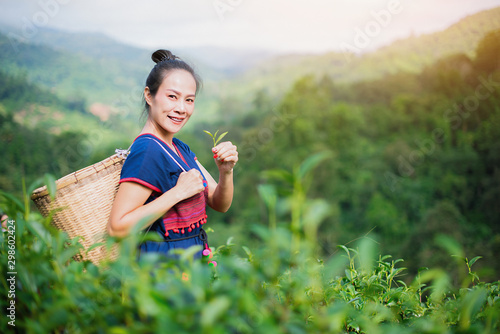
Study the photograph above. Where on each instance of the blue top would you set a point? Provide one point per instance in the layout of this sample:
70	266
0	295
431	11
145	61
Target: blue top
153	164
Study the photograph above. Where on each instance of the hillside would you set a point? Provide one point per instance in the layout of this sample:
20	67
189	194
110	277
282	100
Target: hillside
105	73
90	44
109	75
41	132
418	51
408	55
72	75
411	156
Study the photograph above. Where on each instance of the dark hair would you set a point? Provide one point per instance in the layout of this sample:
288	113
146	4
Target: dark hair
166	62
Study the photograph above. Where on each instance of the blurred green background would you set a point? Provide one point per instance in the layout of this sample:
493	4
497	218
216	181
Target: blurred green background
412	132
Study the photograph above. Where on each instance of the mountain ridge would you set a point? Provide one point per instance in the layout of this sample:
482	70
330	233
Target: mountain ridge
411	54
102	70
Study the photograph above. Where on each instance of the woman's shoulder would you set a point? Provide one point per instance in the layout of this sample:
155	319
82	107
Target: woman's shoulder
144	147
146	142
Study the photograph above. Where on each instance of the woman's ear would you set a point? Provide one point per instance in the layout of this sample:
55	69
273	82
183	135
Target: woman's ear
147	95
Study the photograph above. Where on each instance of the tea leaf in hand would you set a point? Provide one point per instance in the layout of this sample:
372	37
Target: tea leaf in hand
220	138
214	136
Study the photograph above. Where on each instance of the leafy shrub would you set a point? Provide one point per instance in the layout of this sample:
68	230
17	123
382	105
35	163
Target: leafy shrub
280	287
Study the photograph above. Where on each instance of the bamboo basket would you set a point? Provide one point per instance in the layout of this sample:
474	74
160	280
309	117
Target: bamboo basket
82	204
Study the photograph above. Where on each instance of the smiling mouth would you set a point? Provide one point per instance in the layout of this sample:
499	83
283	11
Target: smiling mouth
175	119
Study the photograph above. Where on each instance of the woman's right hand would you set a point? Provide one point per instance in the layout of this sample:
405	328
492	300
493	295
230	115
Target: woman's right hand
129	208
190	183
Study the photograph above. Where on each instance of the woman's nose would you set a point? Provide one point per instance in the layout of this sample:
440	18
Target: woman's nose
181	107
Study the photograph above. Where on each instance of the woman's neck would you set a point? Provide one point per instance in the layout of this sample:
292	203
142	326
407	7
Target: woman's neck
159	132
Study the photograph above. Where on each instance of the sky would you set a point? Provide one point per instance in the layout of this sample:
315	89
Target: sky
305	26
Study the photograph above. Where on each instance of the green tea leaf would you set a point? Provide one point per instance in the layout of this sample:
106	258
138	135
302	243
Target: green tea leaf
471	262
50	181
214	136
345	249
188	253
268	194
220	138
213	310
450	245
313	161
12	201
279	174
229	241
248	252
98	244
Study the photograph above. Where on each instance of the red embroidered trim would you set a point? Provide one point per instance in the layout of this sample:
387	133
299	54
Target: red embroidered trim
147	133
180	154
186	215
144	183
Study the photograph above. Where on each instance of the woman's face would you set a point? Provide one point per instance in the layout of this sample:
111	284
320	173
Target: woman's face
173	104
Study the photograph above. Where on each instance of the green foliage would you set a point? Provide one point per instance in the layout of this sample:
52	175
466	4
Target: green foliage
98	79
487	52
413	157
278	287
409	55
42	133
214	136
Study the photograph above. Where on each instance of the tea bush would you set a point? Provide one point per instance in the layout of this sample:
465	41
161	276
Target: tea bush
273	289
283	286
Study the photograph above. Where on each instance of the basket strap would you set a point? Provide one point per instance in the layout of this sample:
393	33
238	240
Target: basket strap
124	153
170	155
178	164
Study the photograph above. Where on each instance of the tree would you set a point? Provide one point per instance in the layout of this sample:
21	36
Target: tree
488	53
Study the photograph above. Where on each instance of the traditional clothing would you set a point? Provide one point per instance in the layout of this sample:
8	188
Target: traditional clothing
157	166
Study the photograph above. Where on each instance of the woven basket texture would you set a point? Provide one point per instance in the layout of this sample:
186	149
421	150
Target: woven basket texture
82	205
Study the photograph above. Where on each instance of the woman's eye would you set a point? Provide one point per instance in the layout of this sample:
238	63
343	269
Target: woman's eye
172	96
190	100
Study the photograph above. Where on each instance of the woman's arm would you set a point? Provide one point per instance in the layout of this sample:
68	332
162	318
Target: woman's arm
220	196
129	209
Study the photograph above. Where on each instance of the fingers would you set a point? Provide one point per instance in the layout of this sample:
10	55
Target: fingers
192	175
226	151
191	182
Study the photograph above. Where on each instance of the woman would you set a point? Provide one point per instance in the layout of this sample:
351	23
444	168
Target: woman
162	183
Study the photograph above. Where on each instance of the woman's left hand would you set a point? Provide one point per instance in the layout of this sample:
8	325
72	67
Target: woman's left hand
225	156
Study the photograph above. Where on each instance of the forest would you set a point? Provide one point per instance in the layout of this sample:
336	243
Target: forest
332	172
412	156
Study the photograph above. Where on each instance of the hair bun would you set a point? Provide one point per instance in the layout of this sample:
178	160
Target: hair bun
161	55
